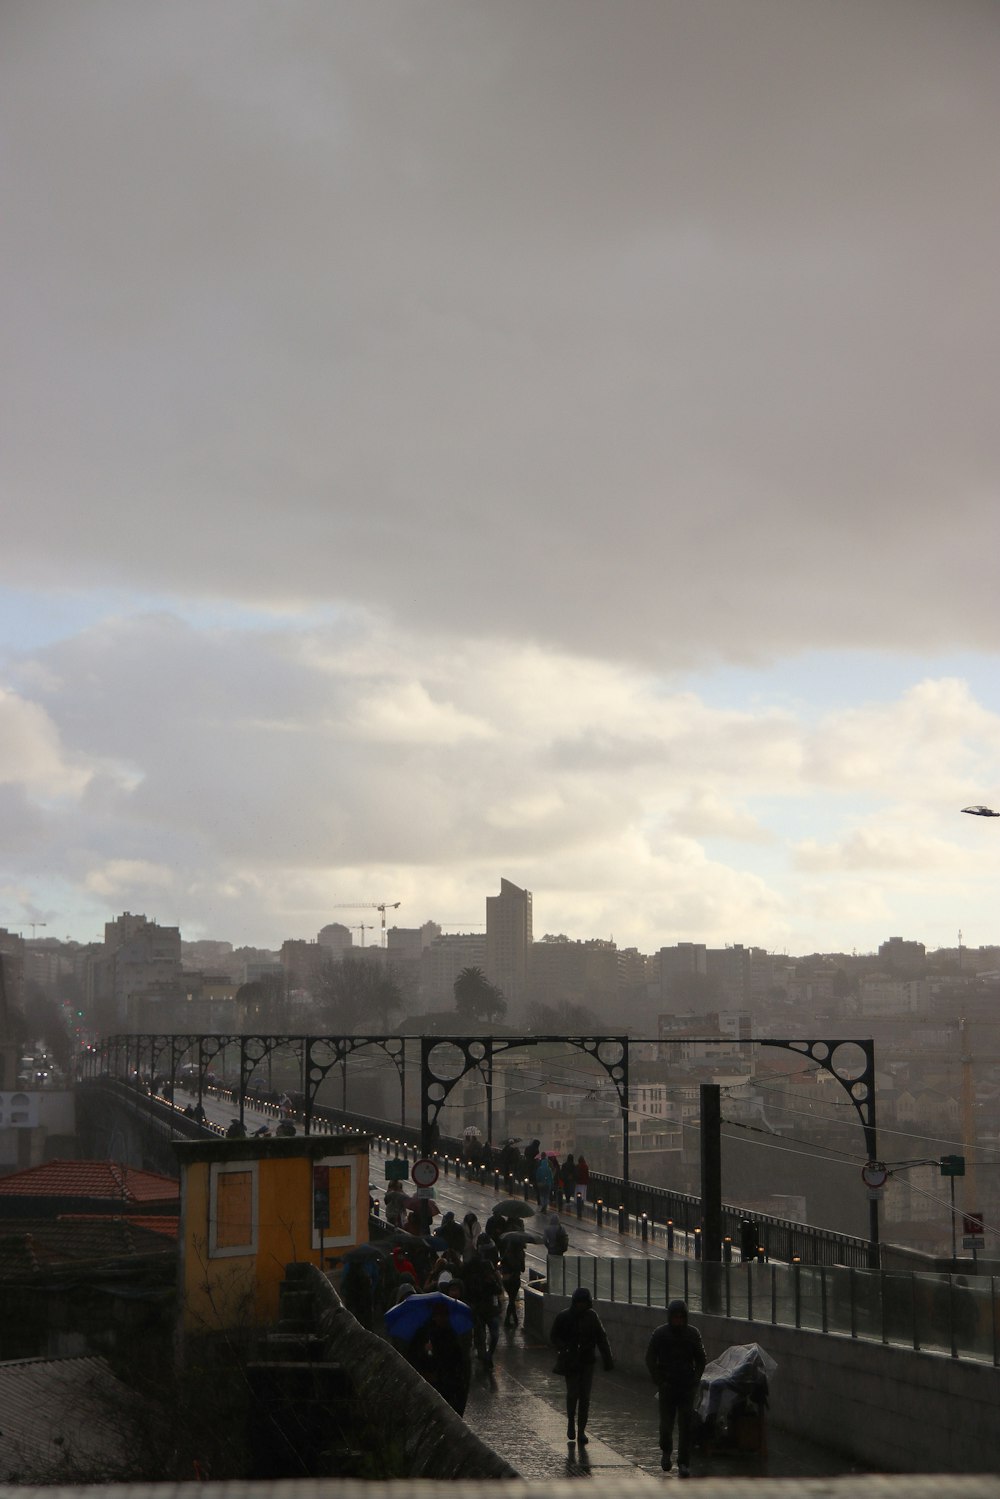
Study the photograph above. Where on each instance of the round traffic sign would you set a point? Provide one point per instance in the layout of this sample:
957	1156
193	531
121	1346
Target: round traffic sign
424	1172
874	1173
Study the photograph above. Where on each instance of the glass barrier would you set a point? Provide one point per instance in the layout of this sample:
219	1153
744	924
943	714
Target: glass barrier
954	1315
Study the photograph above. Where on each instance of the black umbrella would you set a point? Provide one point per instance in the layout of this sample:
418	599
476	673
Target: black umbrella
515	1207
521	1237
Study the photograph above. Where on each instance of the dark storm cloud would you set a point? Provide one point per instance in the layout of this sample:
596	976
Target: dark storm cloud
646	329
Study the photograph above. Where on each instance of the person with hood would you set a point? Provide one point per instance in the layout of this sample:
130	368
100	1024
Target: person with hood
675	1359
582	1177
555	1236
452	1233
472	1229
578	1333
484	1293
543	1182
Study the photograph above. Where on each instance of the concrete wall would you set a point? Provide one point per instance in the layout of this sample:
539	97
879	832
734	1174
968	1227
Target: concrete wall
894	1410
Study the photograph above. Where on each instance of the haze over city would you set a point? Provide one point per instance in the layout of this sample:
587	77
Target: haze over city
463	439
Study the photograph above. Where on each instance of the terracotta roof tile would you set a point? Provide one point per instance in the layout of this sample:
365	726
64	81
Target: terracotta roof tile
96	1179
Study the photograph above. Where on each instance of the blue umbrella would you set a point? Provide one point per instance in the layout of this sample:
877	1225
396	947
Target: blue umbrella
407	1319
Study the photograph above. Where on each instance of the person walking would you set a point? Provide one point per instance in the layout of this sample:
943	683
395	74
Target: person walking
511	1269
484	1293
675	1359
436	1352
567	1182
578	1334
555	1237
543	1182
748	1240
582	1176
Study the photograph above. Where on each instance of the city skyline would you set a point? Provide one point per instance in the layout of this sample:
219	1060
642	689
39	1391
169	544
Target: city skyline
552	441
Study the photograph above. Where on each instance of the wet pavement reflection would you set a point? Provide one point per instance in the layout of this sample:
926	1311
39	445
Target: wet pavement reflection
519	1410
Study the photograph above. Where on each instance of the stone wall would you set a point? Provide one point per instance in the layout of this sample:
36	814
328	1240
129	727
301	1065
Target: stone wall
892	1409
431	1440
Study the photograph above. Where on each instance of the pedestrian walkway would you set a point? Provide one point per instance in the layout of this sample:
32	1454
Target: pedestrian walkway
519	1410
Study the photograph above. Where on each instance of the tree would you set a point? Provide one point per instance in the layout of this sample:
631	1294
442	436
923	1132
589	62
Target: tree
351	990
477	999
565	1019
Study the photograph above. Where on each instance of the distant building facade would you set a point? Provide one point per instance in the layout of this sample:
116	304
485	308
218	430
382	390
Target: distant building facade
508	942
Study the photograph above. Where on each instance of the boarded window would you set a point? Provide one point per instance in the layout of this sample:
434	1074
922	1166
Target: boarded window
333	1203
233	1210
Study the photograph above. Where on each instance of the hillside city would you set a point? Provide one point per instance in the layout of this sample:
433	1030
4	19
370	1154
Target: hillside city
692	1012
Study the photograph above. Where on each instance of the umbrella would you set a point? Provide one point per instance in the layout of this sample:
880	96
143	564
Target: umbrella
521	1237
470	1132
364	1252
406	1319
513	1207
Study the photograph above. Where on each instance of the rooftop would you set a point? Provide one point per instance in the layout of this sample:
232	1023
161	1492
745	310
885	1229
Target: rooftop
93	1179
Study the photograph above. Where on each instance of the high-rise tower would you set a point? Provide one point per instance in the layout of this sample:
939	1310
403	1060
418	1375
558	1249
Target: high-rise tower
508	942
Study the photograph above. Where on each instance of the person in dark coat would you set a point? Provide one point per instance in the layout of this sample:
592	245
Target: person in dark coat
512	1267
748	1240
579	1335
675	1359
582	1177
567	1181
436	1352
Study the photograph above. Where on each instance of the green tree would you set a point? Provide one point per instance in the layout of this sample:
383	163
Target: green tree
477	999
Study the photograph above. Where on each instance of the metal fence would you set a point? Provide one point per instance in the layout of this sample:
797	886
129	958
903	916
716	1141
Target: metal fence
936	1313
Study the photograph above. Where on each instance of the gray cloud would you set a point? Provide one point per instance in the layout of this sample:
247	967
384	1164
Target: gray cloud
646	330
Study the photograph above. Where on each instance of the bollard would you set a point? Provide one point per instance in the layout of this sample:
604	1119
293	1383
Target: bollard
621	1218
670	1233
697	1243
761	1254
579	1205
600	1212
727	1250
645	1229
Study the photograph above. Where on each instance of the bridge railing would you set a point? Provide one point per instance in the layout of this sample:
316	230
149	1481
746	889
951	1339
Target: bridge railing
652	1213
931	1313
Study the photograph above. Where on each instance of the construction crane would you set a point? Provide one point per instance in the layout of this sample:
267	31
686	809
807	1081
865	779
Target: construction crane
371	905
362	927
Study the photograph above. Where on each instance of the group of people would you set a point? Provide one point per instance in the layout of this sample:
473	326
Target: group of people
554	1181
675	1358
482	1265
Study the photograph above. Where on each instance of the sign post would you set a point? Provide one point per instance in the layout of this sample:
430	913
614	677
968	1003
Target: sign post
952	1166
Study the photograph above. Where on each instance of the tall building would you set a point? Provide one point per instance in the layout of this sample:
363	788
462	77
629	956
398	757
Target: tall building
508	943
138	966
583	973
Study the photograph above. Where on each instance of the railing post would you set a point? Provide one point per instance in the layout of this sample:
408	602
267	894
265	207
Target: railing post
883	1319
670	1234
621	1218
825	1322
851	1282
797	1291
915	1320
749	1290
697	1243
644	1229
727	1250
600	1213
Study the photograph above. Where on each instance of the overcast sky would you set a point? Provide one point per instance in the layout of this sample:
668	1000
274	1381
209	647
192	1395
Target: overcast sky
541	438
